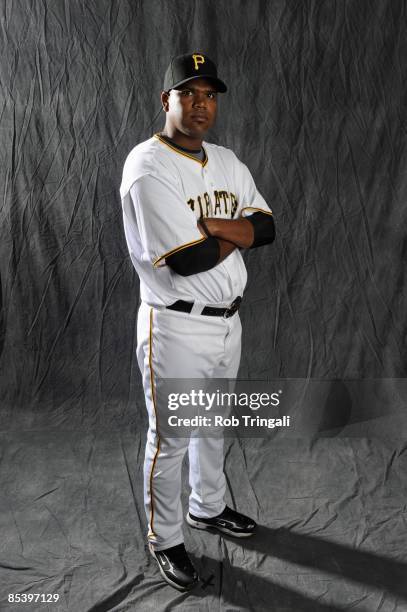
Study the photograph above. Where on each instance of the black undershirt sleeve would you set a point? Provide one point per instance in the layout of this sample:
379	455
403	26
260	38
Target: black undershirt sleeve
264	230
195	258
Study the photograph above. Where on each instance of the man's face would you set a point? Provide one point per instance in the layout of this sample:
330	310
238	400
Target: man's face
191	109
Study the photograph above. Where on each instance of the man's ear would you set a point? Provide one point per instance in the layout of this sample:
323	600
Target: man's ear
164	100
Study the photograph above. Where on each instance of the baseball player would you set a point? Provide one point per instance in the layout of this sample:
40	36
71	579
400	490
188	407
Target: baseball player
188	209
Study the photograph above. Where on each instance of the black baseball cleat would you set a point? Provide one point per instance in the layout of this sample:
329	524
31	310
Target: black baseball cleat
229	521
176	567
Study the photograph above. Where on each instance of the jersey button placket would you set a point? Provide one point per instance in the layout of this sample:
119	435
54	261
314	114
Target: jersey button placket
207	179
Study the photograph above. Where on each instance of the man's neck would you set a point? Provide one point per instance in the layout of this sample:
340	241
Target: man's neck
187	142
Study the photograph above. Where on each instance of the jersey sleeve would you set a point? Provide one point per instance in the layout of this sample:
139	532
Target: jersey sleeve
157	220
250	200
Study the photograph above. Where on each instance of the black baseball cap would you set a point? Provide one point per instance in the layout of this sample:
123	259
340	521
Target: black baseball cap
190	66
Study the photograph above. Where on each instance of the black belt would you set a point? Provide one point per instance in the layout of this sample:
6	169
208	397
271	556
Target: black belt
211	311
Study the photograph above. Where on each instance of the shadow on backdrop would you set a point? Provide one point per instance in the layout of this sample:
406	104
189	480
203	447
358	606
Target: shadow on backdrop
364	567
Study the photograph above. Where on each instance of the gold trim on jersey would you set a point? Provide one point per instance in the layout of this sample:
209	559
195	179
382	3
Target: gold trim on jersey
184	153
179	248
150	364
266	212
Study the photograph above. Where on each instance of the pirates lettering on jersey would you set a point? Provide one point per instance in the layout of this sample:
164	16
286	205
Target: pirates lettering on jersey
225	204
202	204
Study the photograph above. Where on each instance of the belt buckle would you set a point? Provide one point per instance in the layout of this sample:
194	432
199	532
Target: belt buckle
233	308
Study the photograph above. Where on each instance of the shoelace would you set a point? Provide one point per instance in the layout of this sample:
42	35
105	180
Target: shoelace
231	516
179	555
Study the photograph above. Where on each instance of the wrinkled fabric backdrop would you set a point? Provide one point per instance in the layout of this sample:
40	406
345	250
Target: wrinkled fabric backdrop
316	108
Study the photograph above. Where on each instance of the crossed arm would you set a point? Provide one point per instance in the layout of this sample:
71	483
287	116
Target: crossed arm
222	237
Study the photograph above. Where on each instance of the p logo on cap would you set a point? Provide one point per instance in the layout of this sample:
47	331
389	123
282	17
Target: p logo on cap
198	59
184	68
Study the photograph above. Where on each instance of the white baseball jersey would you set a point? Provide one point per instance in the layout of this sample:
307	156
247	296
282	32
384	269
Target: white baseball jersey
164	192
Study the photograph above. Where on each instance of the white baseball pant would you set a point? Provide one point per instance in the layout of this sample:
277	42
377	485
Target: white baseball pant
173	344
